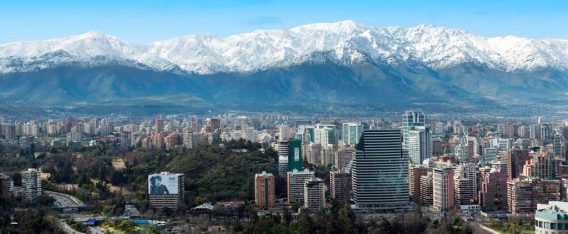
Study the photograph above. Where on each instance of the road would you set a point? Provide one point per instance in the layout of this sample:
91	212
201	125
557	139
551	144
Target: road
66	228
63	200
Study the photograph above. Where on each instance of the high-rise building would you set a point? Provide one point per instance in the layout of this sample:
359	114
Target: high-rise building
443	189
415	174
192	139
461	151
309	134
504	143
523	195
324	134
489	154
351	133
159	124
542	165
419	143
314	193
313	153
76	134
343	156
426	189
283	132
8	132
250	133
295	155
534	131
558	143
522	132
546	132
296	180
340	185
380	171
411	119
465	183
6	185
327	155
264	195
493	191
31	183
283	154
165	190
213	124
516	159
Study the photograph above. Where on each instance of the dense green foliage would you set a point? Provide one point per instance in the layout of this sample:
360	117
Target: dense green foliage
219	173
18	216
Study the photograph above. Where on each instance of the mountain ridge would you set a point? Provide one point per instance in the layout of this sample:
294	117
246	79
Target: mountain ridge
346	41
342	68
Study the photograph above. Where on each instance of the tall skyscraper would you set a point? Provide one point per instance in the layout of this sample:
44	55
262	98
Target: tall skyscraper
340	185
558	143
264	195
493	191
465	183
516	159
415	174
214	124
314	193
343	156
283	132
296	180
6	185
461	150
159	124
295	155
411	119
534	131
426	189
31	182
546	132
283	154
351	133
443	189
325	134
380	171
489	154
419	143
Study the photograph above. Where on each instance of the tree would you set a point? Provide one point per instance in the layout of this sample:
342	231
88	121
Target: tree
346	219
237	226
287	215
126	225
305	224
45	200
200	200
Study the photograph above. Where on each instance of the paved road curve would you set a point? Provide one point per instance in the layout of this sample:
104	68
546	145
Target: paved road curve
63	200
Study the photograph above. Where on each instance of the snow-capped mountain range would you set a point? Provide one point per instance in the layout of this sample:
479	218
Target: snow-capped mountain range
346	42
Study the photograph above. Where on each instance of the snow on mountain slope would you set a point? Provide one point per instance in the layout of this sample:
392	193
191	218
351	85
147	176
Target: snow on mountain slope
346	41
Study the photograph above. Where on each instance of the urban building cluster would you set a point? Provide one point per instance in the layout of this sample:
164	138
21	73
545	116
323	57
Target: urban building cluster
31	185
477	167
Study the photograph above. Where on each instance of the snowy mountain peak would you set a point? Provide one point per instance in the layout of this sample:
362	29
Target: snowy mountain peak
345	41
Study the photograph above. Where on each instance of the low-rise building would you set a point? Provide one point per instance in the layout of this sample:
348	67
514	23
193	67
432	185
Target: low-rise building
551	218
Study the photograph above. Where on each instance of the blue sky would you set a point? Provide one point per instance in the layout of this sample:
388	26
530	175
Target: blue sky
143	21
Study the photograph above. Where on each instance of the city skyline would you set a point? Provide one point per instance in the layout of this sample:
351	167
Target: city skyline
271	116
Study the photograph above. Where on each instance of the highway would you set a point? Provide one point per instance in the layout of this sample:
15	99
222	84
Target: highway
66	228
63	200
